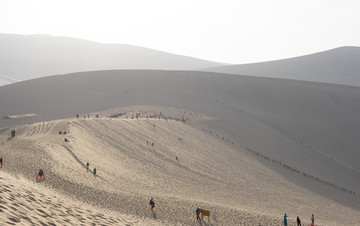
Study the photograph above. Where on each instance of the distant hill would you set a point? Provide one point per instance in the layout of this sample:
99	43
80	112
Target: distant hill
337	66
25	57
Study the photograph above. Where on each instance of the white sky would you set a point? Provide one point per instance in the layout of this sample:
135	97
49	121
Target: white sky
231	31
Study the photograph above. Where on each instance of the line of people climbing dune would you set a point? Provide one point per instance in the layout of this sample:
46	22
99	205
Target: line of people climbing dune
148	114
285	166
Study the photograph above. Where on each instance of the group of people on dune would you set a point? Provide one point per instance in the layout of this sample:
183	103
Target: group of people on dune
298	221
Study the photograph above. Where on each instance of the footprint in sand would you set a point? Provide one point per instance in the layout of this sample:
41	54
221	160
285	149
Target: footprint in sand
43	212
15	204
4	190
31	199
3	207
27	219
14	219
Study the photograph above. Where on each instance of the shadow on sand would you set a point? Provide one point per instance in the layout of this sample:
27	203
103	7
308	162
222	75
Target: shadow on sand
203	223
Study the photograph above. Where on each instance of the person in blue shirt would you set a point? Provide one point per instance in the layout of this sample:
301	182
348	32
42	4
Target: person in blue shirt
152	204
285	220
198	211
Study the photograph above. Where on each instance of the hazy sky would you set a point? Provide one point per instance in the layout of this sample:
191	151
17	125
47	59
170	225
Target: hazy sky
232	31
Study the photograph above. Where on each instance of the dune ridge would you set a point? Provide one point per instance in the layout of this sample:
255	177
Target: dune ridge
25	57
336	66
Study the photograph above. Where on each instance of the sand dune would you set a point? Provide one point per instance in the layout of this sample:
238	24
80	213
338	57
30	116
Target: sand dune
24	57
236	186
312	126
337	66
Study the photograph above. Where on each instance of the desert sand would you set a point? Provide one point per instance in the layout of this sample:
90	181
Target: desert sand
24	202
225	177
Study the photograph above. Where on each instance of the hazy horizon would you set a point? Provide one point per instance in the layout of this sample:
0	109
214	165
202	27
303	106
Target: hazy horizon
25	57
232	32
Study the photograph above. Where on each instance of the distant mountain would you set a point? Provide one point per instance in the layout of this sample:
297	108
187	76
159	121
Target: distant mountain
25	57
337	66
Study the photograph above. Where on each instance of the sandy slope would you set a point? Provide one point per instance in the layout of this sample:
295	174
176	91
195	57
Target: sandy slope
23	202
211	173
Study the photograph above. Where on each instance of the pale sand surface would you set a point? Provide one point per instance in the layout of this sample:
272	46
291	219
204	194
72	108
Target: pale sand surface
236	186
23	202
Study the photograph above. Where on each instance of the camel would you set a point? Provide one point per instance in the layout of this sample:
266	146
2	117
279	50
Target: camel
205	213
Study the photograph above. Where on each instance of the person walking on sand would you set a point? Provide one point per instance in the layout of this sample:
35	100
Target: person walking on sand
312	220
41	174
94	171
285	220
87	166
1	162
198	211
298	221
13	133
152	204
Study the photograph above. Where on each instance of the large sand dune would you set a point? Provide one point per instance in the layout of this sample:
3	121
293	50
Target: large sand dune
308	125
238	187
337	66
309	131
24	57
